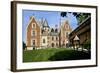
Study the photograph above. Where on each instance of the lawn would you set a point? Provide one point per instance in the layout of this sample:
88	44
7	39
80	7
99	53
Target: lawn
53	55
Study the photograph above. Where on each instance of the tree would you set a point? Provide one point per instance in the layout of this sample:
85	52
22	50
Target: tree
63	14
82	16
24	46
79	16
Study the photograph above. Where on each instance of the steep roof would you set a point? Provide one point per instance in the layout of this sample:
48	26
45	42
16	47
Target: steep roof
45	23
76	38
42	22
65	22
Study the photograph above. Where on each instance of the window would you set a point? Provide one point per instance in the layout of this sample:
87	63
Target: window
43	40
33	25
52	38
67	34
33	33
56	38
56	30
52	44
57	44
42	31
33	42
52	30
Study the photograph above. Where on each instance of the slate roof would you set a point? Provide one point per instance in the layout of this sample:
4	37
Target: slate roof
45	23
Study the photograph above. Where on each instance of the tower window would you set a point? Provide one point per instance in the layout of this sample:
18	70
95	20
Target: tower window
67	34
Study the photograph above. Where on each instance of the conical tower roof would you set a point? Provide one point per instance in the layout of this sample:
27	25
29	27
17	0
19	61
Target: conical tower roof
45	23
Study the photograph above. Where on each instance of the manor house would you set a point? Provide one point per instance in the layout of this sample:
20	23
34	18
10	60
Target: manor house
40	35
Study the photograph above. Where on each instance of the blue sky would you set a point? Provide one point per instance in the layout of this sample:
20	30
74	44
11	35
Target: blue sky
53	18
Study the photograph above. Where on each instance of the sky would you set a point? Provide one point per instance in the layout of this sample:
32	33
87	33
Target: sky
53	18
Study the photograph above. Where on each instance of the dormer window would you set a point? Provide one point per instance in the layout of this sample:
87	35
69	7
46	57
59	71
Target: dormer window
56	30
52	30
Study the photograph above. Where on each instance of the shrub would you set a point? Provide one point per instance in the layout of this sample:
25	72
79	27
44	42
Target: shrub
24	46
87	45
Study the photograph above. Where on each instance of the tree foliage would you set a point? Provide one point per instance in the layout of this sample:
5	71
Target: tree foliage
79	16
63	14
24	46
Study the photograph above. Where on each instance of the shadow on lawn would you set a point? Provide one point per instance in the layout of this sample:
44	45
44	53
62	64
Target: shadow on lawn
70	55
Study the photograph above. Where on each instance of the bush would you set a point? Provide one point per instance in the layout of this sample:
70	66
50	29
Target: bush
87	45
24	46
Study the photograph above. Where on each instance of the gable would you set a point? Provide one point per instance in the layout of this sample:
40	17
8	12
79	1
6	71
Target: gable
32	23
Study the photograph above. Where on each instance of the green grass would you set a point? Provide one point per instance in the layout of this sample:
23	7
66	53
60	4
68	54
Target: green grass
53	55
